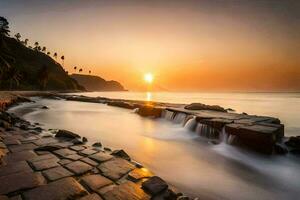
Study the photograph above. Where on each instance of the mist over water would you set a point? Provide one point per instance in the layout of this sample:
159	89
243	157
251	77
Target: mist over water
178	155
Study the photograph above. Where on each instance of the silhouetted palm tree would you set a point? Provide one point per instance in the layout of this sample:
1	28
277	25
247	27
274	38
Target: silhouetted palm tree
63	60
75	69
80	70
48	53
55	55
36	44
18	36
44	49
39	48
26	42
90	71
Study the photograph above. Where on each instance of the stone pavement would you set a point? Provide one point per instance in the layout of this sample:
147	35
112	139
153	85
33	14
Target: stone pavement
39	166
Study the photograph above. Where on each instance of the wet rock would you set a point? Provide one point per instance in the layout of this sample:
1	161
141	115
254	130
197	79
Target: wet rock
45	164
139	173
5	124
121	104
97	144
280	149
64	161
48	148
22	147
78	167
15	167
20	181
24	127
87	152
64	152
77	148
84	140
74	157
45	107
95	182
107	149
19	156
66	134
127	190
166	195
154	185
101	157
121	153
115	168
200	106
293	141
66	188
56	173
149	111
89	161
183	198
77	141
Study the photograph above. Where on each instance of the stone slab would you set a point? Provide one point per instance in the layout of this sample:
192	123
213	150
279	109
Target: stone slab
12	168
115	168
64	152
87	152
78	167
19	156
126	191
89	161
101	157
67	188
20	181
45	164
56	173
95	182
77	148
91	197
139	173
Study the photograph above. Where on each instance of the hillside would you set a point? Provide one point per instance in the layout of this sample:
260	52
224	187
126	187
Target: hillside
96	83
33	70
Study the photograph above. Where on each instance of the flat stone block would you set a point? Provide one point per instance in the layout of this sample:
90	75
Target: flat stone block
89	161
115	168
22	147
95	182
101	157
20	181
77	148
19	156
64	161
79	167
64	152
91	197
74	157
67	188
47	156
13	168
126	191
45	164
11	141
56	173
139	173
87	152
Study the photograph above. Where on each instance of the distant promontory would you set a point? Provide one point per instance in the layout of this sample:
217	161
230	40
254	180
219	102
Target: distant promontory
96	83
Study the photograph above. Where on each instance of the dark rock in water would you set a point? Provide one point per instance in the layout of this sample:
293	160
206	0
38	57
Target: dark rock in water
166	195
107	149
200	106
24	127
258	137
121	154
66	134
149	111
38	129
5	124
293	141
244	113
77	141
183	198
154	185
280	149
84	140
97	144
121	104
230	109
214	142
45	107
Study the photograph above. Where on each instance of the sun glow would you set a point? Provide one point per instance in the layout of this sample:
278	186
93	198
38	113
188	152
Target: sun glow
148	78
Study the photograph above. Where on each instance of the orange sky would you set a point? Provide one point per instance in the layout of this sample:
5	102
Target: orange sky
188	45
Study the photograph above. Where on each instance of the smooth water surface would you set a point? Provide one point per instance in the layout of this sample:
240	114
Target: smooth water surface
181	157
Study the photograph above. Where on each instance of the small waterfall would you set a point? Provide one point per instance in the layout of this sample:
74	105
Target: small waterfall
227	138
180	118
204	130
168	115
191	124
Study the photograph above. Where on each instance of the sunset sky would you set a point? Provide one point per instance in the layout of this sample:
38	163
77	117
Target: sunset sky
203	45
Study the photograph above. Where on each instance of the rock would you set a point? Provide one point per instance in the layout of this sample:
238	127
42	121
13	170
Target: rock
24	127
5	124
257	137
84	140
200	106
78	167
22	147
45	164
166	195
87	152
121	153
128	191
15	167
97	144
77	148
73	157
20	181
150	111
101	157
107	149
77	141
280	149
293	141
48	148
91	197
19	156
64	161
89	161
139	173
115	168
56	173
121	104
95	182
45	107
154	185
64	152
66	134
66	188
183	198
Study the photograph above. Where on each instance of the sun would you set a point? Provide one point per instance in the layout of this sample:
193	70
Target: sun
148	78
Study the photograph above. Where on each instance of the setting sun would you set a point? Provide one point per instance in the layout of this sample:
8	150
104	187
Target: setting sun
148	78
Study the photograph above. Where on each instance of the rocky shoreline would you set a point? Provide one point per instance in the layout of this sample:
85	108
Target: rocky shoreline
36	164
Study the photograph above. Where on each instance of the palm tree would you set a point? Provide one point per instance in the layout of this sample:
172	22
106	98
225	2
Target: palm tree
39	48
55	55
48	53
90	71
43	49
75	68
26	42
18	36
80	70
63	59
